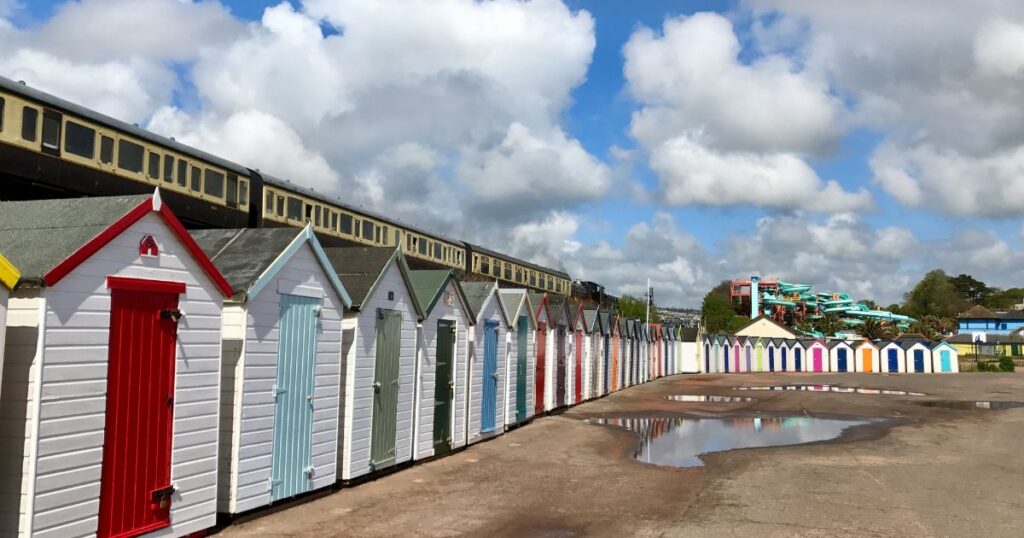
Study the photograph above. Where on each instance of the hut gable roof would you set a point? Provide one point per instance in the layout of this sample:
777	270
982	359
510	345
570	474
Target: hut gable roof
539	300
688	334
591	320
517	302
751	327
477	296
250	257
558	310
47	239
361	269
865	342
429	285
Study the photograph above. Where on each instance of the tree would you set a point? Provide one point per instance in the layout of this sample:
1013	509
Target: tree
971	289
636	308
717	311
935	294
829	324
873	329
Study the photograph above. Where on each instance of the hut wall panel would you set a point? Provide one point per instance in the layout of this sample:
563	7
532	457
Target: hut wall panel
359	381
428	363
490	311
259	373
234	322
83	295
508	387
687	359
550	366
531	372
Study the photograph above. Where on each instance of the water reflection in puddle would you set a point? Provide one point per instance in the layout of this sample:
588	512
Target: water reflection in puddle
702	398
968	405
834	388
678	442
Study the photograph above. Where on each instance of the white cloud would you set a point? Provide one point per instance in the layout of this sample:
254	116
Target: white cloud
999	48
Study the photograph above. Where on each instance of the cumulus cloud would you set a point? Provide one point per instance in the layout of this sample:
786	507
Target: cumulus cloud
723	132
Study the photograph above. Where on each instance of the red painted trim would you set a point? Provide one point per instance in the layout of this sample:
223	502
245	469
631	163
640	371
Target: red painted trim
542	305
197	253
143	284
77	257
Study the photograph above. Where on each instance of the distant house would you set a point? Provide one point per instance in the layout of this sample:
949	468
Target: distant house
981	343
982	320
765	328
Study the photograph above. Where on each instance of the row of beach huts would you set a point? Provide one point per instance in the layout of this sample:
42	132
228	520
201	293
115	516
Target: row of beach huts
906	354
154	377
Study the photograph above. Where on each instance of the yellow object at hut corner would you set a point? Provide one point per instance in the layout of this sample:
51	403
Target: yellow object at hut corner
9	275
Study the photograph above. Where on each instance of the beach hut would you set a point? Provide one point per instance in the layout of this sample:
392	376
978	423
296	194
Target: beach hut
945	359
670	350
816	356
784	349
749	361
687	354
442	343
618	339
607	327
841	356
642	357
595	348
114	295
760	361
918	353
893	360
797	353
542	364
558	385
378	359
714	351
488	357
626	353
773	351
520	379
281	365
9	276
867	357
579	339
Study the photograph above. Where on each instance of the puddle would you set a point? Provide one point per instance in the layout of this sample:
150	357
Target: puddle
679	442
967	405
702	398
834	388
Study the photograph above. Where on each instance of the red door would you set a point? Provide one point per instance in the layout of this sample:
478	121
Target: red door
135	492
579	366
542	341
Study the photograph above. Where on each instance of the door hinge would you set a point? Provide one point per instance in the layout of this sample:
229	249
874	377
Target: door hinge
277	391
376	386
308	471
318	312
172	314
161	498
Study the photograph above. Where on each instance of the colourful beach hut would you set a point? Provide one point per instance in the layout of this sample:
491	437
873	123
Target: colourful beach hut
558	314
542	366
893	359
760	363
918	353
607	328
487	360
772	350
281	369
522	347
113	295
378	353
747	363
688	355
442	342
816	356
738	364
9	276
797	353
841	356
714	355
579	338
945	359
595	349
868	357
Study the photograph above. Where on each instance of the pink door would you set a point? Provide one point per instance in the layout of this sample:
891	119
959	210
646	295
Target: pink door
817	359
736	359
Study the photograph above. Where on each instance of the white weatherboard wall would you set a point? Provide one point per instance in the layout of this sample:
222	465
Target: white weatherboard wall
428	369
65	485
687	357
490	312
550	366
246	483
509	345
358	363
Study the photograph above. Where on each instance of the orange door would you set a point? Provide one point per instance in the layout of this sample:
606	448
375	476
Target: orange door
615	364
868	360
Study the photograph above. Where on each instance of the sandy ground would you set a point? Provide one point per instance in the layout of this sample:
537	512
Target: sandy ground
925	472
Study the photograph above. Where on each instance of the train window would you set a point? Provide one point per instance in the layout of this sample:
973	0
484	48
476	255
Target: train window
368	230
29	122
558	286
280	206
497	268
106	150
196	183
550	285
231	195
398	237
2	103
346	224
51	131
334	221
294	208
316	217
80	140
129	156
437	250
378	234
243	192
269	209
384	235
410	243
485	265
182	172
214	184
154	165
508	271
423	247
309	212
519	275
533	279
168	168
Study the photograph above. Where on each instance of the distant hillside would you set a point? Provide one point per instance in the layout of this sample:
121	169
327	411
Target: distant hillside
679	316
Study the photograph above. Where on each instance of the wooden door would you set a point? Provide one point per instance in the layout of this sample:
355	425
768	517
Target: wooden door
560	373
291	460
385	388
578	392
944	358
841	359
489	385
798	363
707	358
817	359
868	360
894	360
135	487
918	361
522	341
444	385
784	352
538	373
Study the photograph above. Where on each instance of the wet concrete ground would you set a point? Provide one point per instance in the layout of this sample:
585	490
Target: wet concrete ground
927	472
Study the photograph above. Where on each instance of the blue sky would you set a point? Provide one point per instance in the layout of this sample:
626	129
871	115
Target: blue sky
617	140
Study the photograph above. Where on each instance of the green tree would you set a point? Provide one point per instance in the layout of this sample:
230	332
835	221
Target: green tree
874	329
829	324
935	294
636	308
717	311
971	289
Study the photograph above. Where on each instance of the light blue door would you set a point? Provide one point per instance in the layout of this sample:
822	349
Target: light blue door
489	402
947	365
291	470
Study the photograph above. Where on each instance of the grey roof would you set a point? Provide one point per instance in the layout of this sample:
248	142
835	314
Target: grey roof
689	334
428	285
513	300
591	319
359	268
990	338
910	342
557	309
243	255
835	343
477	294
134	130
36	236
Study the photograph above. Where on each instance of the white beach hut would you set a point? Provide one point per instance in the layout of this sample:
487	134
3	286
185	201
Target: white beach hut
893	359
945	359
520	381
868	357
841	356
488	356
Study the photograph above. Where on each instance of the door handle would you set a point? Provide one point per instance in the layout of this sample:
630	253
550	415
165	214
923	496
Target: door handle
376	386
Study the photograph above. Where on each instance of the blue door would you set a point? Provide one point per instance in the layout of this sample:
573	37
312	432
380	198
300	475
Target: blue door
798	359
841	359
918	361
894	361
489	395
291	460
785	351
947	365
771	359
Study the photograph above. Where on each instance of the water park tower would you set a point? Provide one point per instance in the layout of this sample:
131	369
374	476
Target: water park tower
754	310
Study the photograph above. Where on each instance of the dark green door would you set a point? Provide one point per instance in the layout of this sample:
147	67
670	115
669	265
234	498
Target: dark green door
522	346
444	387
385	388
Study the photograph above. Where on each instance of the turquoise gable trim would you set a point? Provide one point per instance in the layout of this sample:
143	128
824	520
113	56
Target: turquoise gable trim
306	236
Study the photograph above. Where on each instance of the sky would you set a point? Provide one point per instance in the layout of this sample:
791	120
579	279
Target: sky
849	145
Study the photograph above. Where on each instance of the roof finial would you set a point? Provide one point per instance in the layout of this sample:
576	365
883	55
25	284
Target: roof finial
157	201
